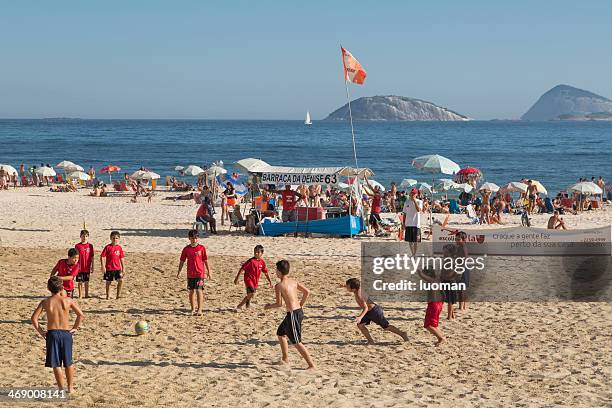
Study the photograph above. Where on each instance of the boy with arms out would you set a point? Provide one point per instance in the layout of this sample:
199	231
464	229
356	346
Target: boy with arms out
112	263
197	260
66	270
86	262
291	327
252	272
58	336
370	312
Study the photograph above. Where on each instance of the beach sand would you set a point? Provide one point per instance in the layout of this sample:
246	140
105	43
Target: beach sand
520	354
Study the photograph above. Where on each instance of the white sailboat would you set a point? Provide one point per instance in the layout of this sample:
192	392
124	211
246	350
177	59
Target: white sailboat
307	121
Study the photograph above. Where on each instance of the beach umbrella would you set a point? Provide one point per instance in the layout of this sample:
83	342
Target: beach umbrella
110	169
215	170
425	186
515	187
465	187
408	183
468	173
192	170
489	187
144	175
9	169
179	168
64	164
45	171
541	188
79	175
250	165
445	184
586	187
72	168
434	163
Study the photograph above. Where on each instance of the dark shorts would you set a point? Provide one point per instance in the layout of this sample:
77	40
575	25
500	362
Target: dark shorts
412	234
291	326
83	277
112	275
59	348
532	197
290	215
195	283
375	219
377	316
250	289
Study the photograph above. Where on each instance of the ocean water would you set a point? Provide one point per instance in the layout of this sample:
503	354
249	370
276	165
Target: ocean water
555	153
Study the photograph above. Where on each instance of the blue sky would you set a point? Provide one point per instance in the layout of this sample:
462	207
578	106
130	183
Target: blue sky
274	59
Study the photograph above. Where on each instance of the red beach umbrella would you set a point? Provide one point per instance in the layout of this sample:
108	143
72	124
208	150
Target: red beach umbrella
110	169
467	173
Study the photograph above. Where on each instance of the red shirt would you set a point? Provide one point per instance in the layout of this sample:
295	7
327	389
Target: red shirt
376	204
289	200
113	255
86	257
195	257
202	211
252	271
63	269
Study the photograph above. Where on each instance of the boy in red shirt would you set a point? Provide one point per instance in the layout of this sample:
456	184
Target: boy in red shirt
435	303
252	272
66	270
86	263
112	263
195	255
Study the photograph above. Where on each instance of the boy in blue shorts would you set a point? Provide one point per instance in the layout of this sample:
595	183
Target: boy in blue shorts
58	334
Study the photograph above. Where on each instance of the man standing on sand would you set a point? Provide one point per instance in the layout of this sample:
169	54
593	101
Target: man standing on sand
532	195
411	210
58	335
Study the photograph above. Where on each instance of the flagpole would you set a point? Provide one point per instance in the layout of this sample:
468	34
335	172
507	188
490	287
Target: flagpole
348	98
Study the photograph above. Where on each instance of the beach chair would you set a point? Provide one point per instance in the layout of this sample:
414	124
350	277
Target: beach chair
200	226
60	179
471	214
235	222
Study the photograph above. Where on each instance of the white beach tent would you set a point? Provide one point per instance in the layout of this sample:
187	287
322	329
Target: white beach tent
79	175
192	170
45	171
144	175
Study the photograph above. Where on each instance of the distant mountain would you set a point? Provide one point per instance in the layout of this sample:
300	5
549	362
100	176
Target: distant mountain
395	108
564	102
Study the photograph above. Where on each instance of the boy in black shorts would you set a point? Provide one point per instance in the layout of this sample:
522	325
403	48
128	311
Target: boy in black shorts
197	261
290	329
112	263
252	272
371	312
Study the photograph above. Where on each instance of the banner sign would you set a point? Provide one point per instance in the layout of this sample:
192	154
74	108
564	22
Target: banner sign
524	241
297	178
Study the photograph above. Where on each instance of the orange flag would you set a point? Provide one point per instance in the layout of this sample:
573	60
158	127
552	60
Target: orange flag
353	71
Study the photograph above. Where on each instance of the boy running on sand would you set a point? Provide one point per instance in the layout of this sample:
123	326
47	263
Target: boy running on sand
58	336
112	263
66	270
252	272
197	260
86	262
291	326
371	312
435	303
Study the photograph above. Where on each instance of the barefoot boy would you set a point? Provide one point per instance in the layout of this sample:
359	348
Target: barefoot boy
252	272
66	270
58	336
112	263
86	262
195	255
435	304
291	327
371	312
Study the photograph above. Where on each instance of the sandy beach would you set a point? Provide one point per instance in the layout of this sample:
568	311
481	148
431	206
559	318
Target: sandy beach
520	354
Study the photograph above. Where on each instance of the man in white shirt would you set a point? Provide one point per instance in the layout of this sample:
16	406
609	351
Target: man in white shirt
411	210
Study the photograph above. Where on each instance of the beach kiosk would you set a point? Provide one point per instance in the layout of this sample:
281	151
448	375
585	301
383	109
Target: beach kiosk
345	225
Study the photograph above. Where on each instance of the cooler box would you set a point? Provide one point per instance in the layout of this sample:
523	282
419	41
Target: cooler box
314	213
